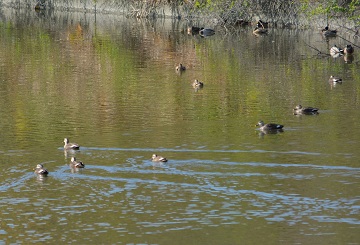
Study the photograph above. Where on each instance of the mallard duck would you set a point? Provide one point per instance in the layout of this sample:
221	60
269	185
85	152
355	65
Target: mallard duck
305	110
156	158
348	49
206	32
269	126
180	68
41	170
328	33
260	31
197	84
70	146
335	50
335	80
76	164
192	30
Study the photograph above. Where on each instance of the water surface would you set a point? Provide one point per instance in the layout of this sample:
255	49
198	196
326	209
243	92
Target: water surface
110	85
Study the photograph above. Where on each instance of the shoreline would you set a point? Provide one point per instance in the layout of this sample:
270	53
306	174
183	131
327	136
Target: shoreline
179	12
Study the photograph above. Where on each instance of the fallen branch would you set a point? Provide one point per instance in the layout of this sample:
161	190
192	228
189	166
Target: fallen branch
318	50
349	41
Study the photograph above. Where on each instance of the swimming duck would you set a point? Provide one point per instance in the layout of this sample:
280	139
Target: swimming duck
335	50
206	32
192	30
348	49
76	164
197	84
269	126
156	158
335	80
328	33
305	110
260	31
180	68
41	170
70	146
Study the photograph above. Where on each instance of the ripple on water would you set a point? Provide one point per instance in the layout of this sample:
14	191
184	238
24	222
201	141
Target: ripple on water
179	195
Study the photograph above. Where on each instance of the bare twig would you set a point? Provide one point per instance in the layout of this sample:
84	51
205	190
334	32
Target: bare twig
318	50
349	41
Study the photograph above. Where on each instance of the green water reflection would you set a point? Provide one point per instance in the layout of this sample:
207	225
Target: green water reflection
110	85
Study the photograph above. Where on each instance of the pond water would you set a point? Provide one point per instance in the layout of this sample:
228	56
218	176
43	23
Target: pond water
109	84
